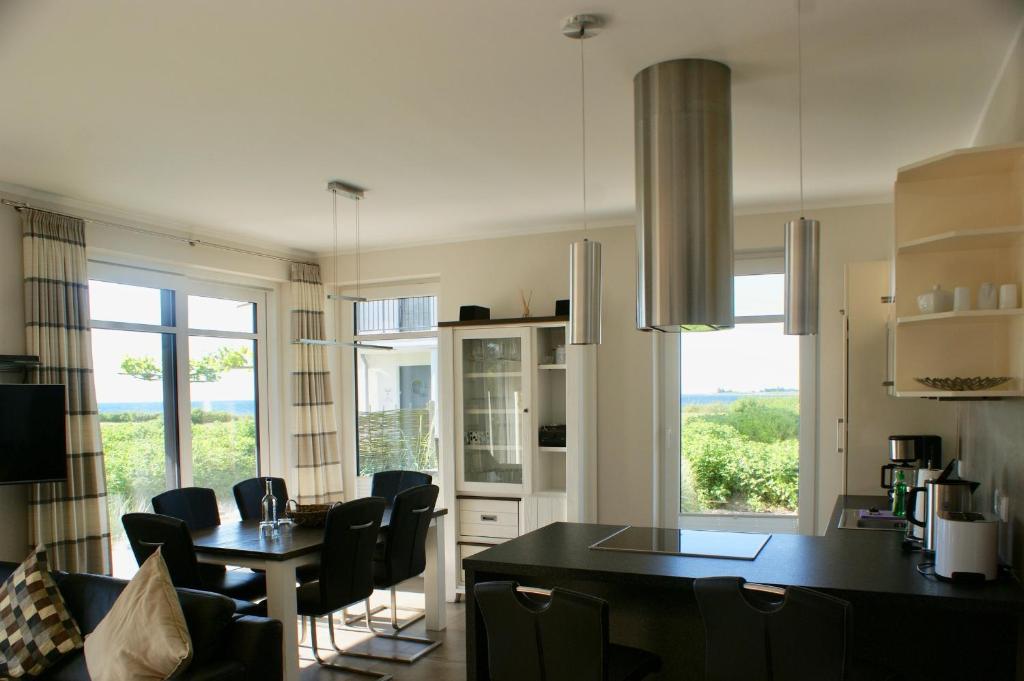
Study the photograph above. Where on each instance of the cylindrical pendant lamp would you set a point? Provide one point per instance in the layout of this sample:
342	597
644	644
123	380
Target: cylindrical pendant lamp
802	263
585	293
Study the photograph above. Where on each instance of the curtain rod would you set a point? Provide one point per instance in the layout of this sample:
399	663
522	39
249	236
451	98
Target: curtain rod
20	206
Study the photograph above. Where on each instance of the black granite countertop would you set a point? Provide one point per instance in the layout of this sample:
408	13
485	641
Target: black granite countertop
842	561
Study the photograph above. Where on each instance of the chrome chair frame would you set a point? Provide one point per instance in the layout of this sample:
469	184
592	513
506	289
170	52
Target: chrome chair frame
428	644
396	624
380	676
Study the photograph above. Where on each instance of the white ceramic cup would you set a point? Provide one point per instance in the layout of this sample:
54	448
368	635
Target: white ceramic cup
988	297
1008	297
961	298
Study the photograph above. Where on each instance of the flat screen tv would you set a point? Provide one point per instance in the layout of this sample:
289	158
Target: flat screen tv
33	442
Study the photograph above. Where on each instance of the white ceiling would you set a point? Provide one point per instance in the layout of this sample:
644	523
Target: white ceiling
462	116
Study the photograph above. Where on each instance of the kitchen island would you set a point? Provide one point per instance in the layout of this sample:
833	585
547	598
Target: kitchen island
918	625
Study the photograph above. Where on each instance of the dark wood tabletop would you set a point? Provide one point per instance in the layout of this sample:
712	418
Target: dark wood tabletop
243	539
847	561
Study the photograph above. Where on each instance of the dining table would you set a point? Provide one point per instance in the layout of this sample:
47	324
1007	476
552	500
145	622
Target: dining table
278	554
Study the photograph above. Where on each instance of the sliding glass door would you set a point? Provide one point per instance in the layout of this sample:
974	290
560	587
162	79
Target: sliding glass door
178	379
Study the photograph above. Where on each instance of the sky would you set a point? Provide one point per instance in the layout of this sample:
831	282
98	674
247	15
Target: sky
750	357
136	304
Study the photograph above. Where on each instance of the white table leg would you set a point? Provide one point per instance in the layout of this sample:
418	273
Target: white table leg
433	577
281	606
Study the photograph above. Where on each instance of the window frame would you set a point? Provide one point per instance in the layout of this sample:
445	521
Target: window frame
667	424
182	287
341	317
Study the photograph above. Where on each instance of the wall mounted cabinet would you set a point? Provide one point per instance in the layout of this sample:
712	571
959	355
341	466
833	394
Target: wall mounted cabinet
959	222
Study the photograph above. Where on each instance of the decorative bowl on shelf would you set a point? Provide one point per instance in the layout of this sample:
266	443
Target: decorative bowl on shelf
958	383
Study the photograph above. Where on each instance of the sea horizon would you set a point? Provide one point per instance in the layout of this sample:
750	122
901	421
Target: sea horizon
235	407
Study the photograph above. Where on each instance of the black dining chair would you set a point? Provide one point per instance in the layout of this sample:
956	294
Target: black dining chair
147	531
249	497
759	632
197	506
346	571
535	634
387	484
401	554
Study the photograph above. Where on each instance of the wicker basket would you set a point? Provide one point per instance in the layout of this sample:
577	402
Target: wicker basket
308	515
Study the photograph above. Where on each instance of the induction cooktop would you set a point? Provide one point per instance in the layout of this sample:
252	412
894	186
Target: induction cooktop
699	543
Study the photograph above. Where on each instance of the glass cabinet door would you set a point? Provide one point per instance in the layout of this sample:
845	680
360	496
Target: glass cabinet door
494	406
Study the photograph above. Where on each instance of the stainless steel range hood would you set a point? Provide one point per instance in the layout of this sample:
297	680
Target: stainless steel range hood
684	196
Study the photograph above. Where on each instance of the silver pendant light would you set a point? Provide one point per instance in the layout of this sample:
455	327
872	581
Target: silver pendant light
801	236
585	255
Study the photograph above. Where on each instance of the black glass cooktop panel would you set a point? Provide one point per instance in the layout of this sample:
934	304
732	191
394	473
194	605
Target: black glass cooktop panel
700	543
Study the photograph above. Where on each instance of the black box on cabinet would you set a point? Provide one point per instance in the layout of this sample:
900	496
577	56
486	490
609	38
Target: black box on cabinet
472	313
551	436
562	308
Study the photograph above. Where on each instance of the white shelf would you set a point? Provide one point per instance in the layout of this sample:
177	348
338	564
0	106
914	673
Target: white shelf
959	394
551	367
492	411
556	493
495	374
967	162
562	450
967	315
965	239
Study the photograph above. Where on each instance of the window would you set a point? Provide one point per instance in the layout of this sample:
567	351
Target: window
396	389
177	376
740	409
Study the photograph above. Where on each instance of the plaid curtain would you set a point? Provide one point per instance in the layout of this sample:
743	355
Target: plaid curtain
318	460
69	519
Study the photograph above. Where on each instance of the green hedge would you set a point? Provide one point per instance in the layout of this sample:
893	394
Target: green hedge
223	446
743	456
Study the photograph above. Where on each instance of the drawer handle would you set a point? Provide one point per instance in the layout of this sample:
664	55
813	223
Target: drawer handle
489	518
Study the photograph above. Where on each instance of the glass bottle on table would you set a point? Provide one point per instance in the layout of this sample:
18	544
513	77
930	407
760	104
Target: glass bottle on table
269	507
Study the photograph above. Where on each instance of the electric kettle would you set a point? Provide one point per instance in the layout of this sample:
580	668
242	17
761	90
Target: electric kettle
943	496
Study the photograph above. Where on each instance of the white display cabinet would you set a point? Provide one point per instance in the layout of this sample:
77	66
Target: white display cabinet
518	431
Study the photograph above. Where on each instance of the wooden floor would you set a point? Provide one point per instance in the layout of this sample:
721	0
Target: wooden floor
445	663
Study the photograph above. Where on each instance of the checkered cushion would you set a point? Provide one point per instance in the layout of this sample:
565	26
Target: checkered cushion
36	628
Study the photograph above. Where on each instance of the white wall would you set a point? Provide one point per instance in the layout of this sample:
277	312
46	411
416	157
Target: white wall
491	272
993	432
13	498
1002	119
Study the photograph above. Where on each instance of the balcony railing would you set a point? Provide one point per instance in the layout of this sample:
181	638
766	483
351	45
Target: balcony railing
396	315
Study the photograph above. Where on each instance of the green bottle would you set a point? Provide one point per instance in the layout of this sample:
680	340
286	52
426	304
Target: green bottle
899	495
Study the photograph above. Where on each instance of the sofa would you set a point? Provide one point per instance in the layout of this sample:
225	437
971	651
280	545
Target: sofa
226	646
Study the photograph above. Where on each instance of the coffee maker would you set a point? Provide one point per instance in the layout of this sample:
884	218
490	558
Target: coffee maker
910	453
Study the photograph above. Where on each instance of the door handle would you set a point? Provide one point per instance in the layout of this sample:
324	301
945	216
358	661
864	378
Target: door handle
489	518
839	435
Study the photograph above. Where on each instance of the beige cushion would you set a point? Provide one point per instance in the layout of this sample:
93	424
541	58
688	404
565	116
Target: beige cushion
144	636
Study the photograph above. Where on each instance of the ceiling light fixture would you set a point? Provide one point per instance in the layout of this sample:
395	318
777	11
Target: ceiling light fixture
356	194
585	255
802	237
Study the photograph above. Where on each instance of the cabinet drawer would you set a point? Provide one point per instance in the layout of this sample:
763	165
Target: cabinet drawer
490	505
465	551
502	519
488	529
